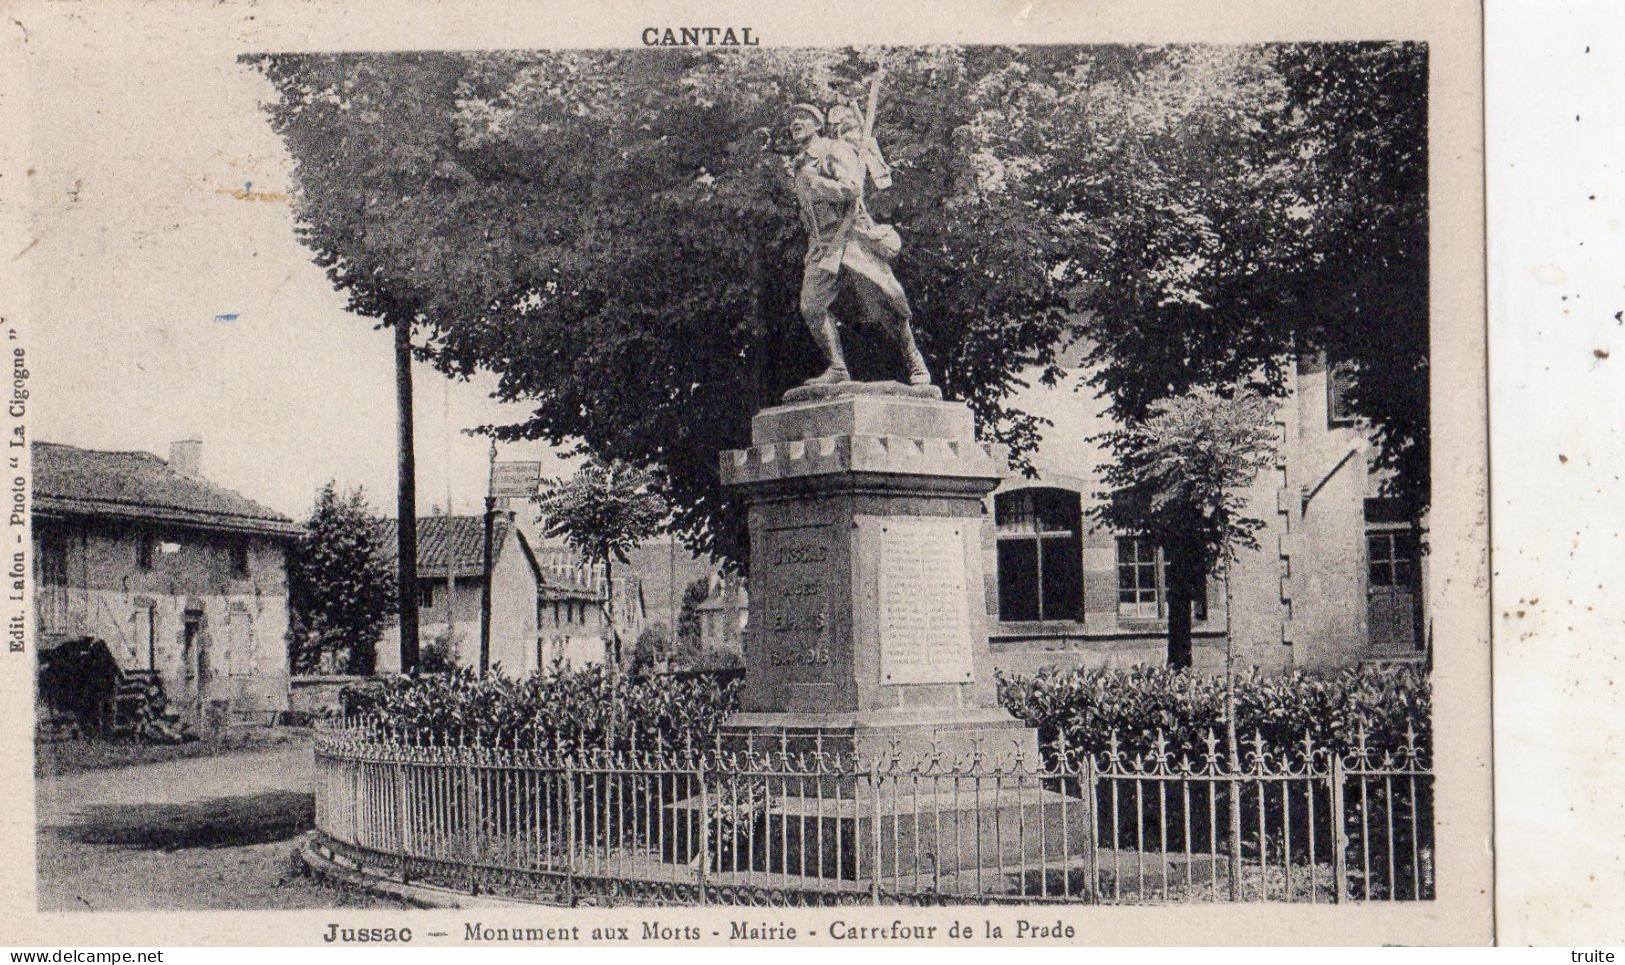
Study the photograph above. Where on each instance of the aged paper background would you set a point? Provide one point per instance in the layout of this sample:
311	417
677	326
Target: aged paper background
48	46
1555	136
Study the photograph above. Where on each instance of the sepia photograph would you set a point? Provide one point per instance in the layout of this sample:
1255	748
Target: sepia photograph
714	471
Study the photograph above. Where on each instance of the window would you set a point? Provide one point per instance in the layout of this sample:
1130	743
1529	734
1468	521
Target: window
1142	582
239	559
426	594
1040	556
1139	578
1339	380
144	544
1390	557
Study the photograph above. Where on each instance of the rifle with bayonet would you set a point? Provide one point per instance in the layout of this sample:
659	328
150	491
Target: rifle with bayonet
831	262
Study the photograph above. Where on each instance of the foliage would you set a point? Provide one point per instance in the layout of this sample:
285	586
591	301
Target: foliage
698	659
612	234
1280	215
603	511
653	645
1362	296
688	619
558	706
1085	706
341	585
440	654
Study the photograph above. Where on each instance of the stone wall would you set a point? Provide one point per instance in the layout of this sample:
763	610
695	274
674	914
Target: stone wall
216	637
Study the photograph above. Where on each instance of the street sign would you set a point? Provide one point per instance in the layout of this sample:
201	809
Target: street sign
510	479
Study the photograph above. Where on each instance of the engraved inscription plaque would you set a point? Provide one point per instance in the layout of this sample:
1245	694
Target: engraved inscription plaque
924	614
796	639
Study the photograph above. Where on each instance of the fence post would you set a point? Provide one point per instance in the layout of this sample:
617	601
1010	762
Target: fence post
569	774
1340	871
1235	828
401	814
874	863
1091	795
471	814
703	822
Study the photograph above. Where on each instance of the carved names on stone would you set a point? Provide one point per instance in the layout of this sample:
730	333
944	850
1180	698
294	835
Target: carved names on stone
924	616
796	639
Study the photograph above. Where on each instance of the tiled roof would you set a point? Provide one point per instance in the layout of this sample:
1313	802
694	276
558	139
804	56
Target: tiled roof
140	486
460	539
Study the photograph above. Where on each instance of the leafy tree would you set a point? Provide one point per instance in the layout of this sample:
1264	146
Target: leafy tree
1190	461
341	589
1182	473
688	619
612	234
603	511
653	645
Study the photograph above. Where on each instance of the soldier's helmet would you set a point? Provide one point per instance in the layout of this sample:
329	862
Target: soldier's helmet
810	110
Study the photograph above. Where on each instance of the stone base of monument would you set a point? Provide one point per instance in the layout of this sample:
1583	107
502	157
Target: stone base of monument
912	830
987	739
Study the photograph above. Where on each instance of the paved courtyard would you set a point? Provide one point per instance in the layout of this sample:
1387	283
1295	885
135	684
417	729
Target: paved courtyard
205	833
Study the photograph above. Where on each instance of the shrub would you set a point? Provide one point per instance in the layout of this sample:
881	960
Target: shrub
1283	708
588	707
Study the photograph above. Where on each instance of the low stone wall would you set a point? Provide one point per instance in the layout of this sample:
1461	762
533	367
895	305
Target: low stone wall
319	696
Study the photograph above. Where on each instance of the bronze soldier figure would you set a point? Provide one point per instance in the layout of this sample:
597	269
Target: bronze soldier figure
845	247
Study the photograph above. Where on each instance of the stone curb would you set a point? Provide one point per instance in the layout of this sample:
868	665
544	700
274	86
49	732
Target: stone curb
308	856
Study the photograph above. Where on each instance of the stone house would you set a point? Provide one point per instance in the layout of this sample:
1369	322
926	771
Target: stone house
724	616
571	611
1336	579
451	582
182	578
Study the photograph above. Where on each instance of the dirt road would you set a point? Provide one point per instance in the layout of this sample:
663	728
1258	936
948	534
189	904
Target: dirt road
205	833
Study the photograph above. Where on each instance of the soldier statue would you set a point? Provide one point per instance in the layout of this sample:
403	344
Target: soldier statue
845	247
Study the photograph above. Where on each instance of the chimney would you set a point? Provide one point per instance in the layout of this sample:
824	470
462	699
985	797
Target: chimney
186	457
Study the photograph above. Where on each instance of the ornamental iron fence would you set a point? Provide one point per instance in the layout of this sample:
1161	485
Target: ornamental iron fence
497	815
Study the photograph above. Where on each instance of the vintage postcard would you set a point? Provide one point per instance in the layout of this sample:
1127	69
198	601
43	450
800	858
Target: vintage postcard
920	474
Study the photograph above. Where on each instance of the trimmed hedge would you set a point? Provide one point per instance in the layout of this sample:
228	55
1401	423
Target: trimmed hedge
585	707
590	707
1283	708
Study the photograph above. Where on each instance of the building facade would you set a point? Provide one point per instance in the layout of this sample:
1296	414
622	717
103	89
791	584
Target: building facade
574	605
183	579
724	616
451	585
1336	579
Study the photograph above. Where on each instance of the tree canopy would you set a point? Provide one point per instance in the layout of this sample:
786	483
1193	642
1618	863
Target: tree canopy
341	587
612	232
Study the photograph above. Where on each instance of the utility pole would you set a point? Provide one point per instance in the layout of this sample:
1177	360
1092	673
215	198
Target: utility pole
485	588
406	510
451	571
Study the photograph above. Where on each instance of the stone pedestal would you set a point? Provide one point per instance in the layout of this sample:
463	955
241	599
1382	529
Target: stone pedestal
867	628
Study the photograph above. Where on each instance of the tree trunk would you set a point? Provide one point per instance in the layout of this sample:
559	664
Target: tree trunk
406	499
1184	577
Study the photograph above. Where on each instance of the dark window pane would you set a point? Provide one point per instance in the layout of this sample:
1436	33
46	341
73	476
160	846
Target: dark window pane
1057	510
1013	512
1380	575
1018	579
1063	579
1402	572
1377	547
1339	381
